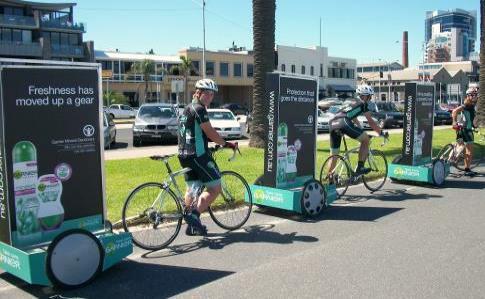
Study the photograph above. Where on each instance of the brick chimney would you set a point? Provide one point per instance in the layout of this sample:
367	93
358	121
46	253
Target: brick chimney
405	57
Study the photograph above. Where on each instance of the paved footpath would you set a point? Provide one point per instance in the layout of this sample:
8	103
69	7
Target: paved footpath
406	241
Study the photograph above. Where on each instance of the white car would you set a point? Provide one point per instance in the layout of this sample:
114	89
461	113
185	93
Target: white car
323	120
225	123
121	111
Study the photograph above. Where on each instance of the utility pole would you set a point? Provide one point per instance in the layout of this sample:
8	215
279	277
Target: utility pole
203	34
320	32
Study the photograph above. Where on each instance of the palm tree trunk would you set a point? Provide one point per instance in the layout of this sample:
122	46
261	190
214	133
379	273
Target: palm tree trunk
263	43
481	100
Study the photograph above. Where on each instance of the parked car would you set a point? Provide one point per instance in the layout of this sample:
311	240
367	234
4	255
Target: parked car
323	118
442	116
326	103
109	129
155	122
225	123
236	109
121	111
388	115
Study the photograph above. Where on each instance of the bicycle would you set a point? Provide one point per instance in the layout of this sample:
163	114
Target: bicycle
343	175
153	211
454	153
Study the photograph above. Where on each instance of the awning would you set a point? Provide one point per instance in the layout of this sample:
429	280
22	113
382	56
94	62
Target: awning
339	87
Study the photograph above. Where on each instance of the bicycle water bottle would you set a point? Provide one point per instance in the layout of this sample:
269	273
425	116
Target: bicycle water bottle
281	153
24	156
51	211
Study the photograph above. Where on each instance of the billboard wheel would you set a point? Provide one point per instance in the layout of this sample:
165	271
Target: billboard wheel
74	259
313	198
438	174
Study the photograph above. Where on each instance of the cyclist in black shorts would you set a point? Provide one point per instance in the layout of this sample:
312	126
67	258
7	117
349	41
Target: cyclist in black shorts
345	122
464	129
194	132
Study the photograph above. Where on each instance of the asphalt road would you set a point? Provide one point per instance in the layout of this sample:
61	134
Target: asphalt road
406	241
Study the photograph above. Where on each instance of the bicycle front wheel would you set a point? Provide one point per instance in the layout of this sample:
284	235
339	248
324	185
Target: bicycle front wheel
446	153
231	209
376	178
340	176
153	216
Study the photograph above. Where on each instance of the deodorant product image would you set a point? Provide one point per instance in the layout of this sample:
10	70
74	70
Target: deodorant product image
24	157
281	150
291	170
51	211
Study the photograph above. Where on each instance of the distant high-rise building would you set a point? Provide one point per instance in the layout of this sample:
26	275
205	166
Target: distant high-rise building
450	35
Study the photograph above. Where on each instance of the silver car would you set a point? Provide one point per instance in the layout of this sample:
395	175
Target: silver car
109	129
155	122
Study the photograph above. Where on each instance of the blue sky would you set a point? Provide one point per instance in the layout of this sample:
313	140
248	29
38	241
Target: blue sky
365	30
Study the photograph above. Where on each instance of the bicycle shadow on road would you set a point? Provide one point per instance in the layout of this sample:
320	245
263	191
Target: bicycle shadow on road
389	195
251	234
129	279
334	212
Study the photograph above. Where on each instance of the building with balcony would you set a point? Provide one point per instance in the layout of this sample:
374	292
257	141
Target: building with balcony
38	30
120	75
336	75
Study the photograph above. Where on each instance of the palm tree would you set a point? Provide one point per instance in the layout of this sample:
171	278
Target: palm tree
185	68
147	68
263	43
481	100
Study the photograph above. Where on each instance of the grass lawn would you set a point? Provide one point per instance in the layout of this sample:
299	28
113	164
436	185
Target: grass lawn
122	176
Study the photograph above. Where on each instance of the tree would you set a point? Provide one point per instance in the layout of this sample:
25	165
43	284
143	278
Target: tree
263	43
185	69
147	68
112	97
481	100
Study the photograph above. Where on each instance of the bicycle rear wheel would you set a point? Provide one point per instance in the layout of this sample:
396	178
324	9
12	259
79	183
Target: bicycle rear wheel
231	209
477	157
340	175
376	178
153	215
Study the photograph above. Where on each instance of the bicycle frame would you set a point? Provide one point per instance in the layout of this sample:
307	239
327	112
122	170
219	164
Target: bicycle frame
370	156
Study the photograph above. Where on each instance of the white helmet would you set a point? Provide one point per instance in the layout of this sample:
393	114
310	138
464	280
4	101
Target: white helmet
473	91
206	84
364	90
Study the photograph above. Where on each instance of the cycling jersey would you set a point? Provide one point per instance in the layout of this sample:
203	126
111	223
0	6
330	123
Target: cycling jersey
353	110
469	116
192	140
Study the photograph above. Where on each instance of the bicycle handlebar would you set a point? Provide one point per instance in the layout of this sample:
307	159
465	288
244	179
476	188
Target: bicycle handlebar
235	150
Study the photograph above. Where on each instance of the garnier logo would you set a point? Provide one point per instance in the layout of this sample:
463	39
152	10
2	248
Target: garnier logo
399	171
41	187
17	174
258	196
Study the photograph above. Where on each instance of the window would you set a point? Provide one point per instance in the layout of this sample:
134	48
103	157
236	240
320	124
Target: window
13	11
303	70
6	34
321	70
224	69
250	70
106	65
55	38
116	66
16	35
312	71
73	39
195	68
293	68
283	67
64	39
237	70
26	36
209	68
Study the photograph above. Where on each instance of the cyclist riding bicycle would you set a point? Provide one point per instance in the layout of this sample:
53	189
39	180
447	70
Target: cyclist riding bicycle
346	122
194	132
464	128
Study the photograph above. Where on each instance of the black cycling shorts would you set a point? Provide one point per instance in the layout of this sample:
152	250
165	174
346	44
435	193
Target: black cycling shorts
466	135
203	169
342	125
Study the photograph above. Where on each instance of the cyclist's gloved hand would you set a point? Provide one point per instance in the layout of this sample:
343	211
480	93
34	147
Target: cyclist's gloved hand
231	145
385	134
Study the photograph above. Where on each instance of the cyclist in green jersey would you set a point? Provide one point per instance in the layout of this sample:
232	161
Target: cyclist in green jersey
194	132
464	128
345	122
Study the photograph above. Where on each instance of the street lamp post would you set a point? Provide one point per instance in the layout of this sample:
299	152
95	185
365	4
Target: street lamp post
203	34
